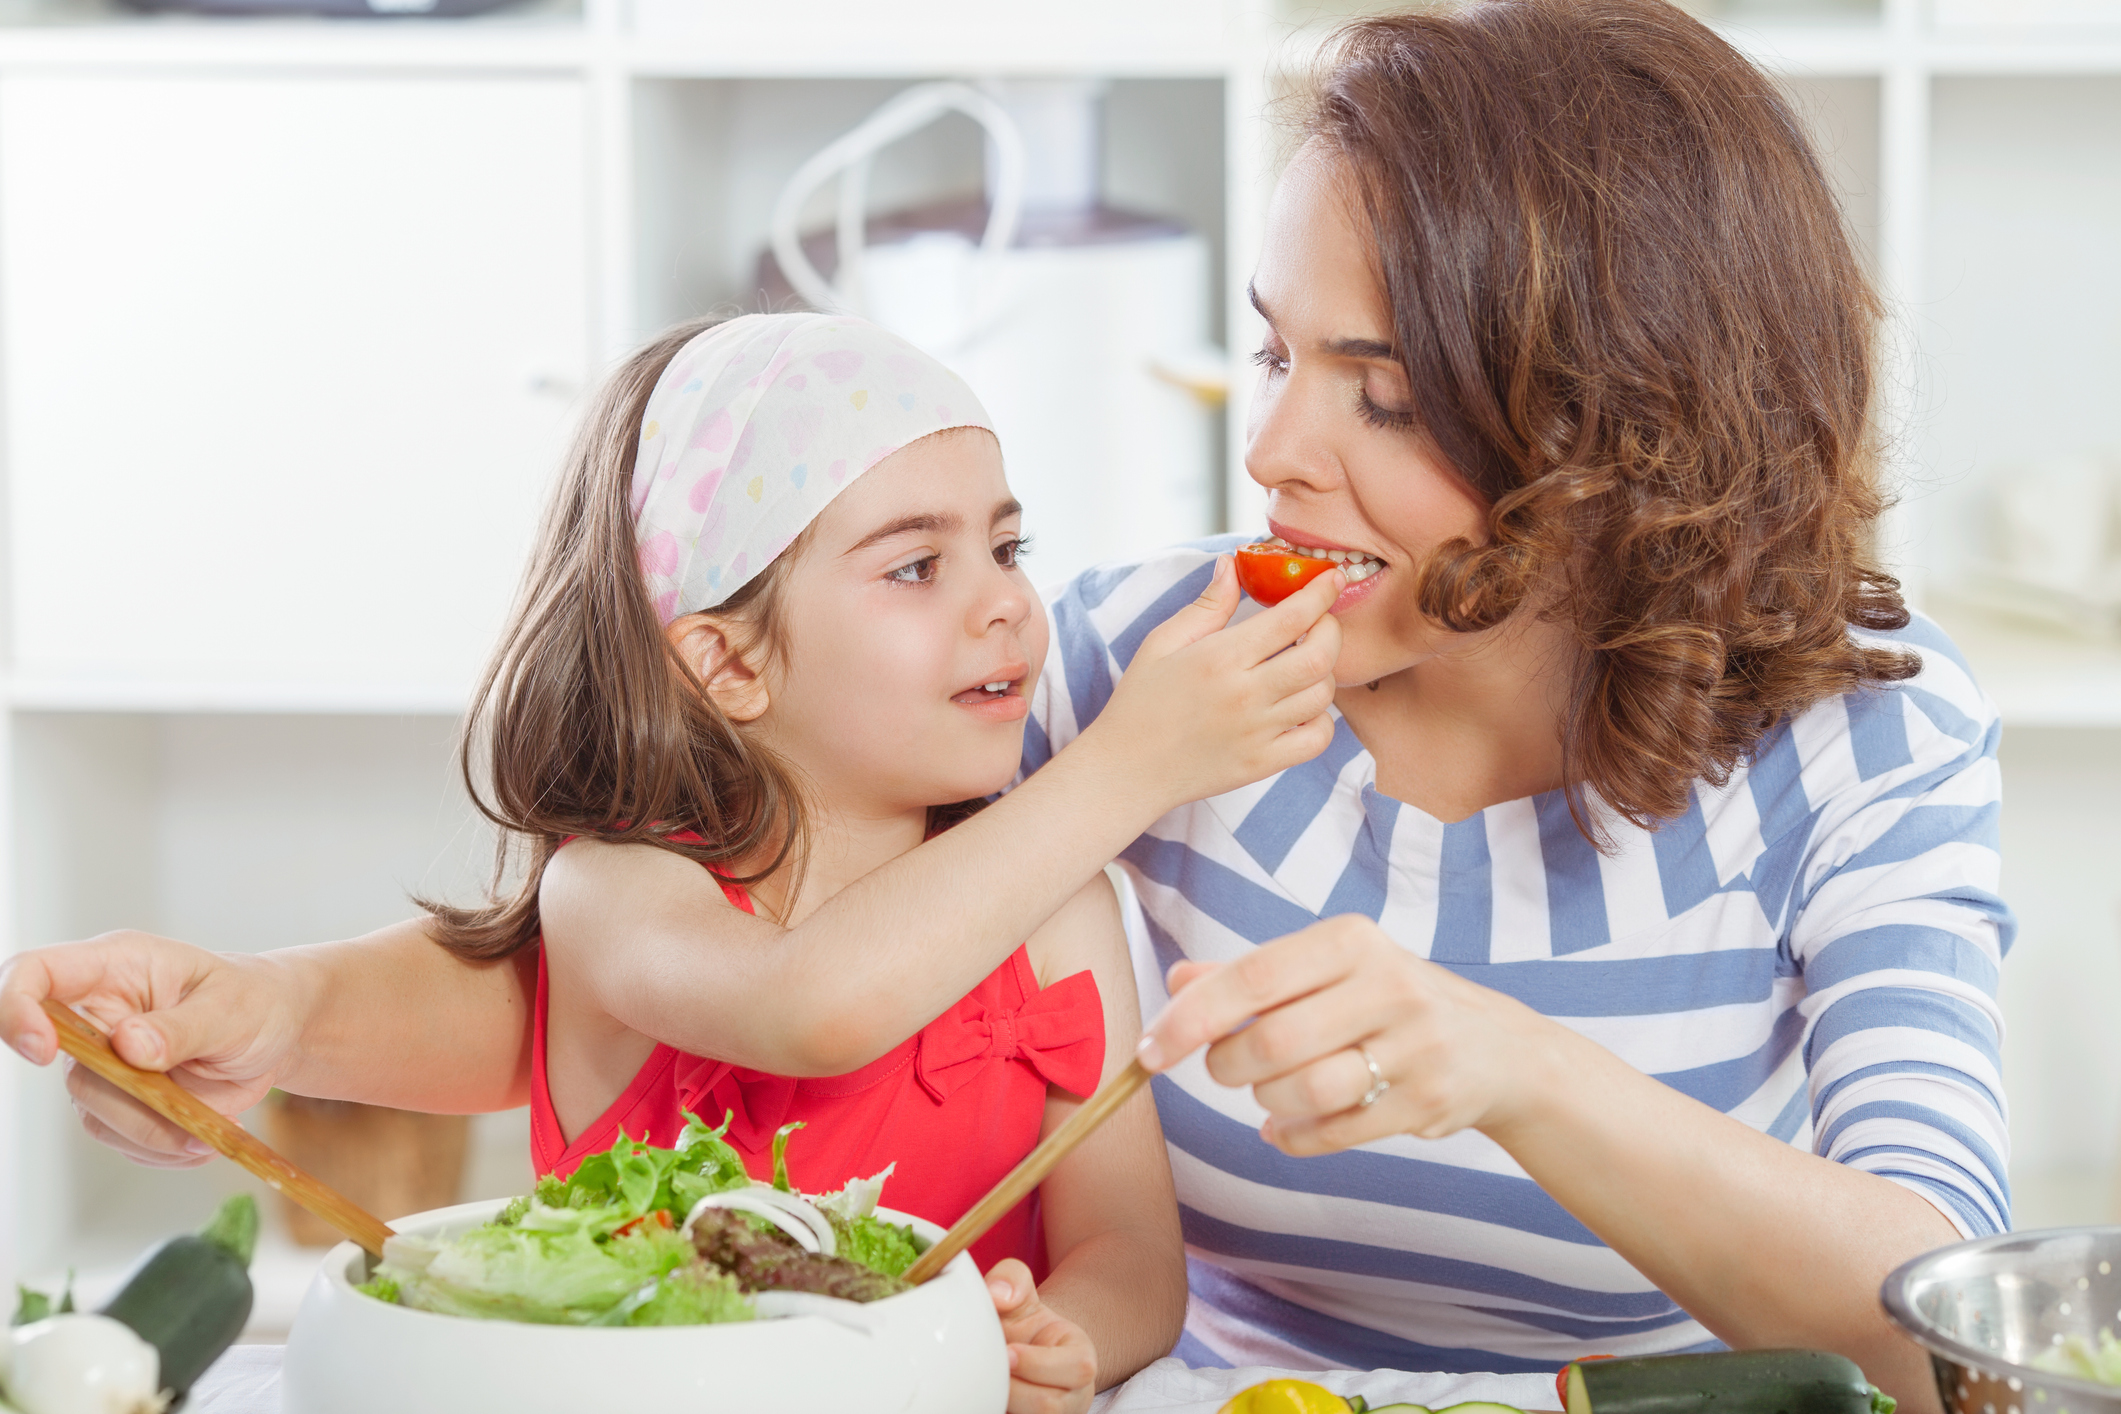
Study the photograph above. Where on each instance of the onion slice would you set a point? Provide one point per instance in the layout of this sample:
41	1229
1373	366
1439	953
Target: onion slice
811	1229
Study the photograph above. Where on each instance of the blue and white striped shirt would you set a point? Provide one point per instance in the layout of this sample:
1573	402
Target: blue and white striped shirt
1812	949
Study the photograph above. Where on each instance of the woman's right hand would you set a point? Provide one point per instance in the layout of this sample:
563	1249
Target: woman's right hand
1204	708
224	1025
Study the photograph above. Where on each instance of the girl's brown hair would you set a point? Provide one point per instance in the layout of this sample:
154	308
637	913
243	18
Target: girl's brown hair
1633	321
587	721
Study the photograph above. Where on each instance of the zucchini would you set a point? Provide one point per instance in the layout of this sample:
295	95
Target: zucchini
1728	1382
190	1297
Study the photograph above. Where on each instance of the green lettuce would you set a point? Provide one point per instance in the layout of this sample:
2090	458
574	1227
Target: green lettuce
880	1246
562	1266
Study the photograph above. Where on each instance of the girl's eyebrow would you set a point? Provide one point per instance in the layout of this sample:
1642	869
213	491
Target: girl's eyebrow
932	523
923	523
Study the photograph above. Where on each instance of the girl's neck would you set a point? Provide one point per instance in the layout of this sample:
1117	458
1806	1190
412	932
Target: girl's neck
1473	726
842	848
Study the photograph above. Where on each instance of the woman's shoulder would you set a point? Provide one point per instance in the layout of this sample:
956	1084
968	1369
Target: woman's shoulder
1886	743
1936	714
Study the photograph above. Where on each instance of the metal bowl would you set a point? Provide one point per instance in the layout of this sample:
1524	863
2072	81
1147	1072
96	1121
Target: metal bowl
1985	1309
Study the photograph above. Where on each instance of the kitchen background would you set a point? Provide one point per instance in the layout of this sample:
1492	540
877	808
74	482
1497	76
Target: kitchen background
294	314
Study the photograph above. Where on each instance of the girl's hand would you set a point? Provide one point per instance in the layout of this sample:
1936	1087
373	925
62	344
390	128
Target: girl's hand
1052	1365
1203	708
1455	1055
224	1026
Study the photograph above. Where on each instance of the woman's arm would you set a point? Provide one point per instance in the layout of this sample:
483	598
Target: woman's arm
1111	1221
389	1018
1762	1243
648	943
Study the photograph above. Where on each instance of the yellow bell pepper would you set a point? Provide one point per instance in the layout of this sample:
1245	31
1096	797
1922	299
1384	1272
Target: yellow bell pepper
1286	1397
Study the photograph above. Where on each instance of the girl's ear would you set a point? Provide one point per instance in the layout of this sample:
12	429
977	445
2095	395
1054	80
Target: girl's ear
707	644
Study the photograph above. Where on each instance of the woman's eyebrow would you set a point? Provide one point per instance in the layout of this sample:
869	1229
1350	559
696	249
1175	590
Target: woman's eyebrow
1005	509
1335	348
924	523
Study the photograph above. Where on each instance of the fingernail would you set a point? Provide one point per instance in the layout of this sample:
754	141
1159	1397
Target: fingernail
1013	1355
999	1290
1150	1054
196	1146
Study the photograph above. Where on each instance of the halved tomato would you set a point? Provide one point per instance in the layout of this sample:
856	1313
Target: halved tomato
1271	574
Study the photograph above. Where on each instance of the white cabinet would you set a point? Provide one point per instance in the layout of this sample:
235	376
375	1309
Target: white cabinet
288	359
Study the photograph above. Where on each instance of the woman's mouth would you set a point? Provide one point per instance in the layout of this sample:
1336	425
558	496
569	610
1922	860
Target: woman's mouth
1355	565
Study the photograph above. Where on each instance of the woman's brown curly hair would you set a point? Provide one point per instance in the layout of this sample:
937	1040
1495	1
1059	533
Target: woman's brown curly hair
1633	320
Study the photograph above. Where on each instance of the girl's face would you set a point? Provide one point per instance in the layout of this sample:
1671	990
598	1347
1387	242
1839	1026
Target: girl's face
905	607
1333	436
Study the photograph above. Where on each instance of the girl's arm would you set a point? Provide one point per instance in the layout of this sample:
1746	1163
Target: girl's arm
644	937
394	1019
1118	1262
389	1019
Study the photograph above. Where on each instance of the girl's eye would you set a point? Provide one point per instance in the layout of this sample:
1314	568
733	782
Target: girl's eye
920	571
1009	552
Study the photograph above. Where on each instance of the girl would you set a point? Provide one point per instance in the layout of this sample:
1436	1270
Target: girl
776	637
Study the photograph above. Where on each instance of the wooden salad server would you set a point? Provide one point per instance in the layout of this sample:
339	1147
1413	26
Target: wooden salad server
197	1118
1019	1182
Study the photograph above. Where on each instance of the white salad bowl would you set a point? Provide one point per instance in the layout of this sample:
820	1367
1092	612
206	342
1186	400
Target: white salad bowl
937	1349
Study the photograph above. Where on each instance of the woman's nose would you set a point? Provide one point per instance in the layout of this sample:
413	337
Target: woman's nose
1291	441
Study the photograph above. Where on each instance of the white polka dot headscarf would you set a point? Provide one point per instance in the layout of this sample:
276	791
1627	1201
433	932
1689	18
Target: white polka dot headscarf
754	427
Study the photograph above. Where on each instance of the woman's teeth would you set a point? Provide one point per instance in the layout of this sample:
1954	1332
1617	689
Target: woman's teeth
1355	566
994	687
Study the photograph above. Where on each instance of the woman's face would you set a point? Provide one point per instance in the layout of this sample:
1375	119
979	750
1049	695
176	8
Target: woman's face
905	604
1333	436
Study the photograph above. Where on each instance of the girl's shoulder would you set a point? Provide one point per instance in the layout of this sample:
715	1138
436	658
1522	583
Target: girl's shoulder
1085	934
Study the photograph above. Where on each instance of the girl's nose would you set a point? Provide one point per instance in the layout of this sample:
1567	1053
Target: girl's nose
1003	601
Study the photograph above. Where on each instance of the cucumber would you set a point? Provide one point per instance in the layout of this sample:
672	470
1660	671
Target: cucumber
1728	1382
190	1297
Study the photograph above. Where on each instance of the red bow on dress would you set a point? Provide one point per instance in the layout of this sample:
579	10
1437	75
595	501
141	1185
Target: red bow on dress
1059	1032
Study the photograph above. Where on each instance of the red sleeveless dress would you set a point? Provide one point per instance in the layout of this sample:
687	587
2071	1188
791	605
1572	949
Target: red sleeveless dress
955	1105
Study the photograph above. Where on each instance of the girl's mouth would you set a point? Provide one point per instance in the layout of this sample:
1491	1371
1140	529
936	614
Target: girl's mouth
999	701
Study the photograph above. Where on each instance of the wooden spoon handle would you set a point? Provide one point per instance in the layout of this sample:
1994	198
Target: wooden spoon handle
195	1117
1019	1182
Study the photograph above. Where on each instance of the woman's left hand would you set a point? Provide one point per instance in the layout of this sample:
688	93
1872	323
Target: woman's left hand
1452	1054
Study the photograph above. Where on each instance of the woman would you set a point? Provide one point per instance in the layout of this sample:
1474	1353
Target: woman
1656	851
1624	970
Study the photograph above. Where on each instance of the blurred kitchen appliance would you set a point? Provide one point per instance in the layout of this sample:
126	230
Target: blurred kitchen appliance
340	9
1081	327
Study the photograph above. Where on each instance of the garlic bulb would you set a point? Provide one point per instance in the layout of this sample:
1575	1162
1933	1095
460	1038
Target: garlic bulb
82	1364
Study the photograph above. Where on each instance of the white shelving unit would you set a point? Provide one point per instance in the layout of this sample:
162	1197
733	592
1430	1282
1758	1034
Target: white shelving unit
602	171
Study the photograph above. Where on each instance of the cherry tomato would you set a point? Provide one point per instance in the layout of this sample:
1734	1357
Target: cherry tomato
1271	575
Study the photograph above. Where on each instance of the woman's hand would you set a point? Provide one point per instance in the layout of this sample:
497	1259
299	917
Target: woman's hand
224	1026
1452	1054
1204	708
1052	1365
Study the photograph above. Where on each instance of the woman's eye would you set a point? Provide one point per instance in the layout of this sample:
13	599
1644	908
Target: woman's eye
1009	552
919	572
1379	416
1269	359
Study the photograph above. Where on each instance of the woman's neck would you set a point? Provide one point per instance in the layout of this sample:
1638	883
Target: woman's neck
841	848
1472	726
